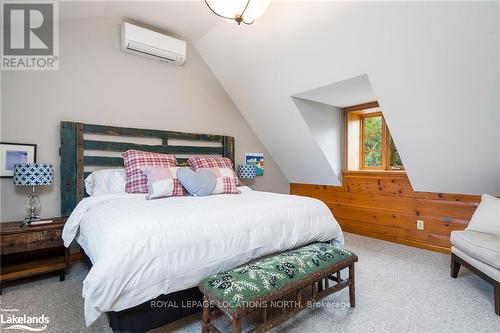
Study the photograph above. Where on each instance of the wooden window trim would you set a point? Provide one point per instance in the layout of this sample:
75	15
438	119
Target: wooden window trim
363	111
361	107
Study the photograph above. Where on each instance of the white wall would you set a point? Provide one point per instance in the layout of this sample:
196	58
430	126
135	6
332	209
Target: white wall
433	67
498	115
325	123
97	83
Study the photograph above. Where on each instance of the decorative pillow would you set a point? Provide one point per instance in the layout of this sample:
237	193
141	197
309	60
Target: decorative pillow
198	184
163	182
225	182
105	181
486	218
199	162
135	159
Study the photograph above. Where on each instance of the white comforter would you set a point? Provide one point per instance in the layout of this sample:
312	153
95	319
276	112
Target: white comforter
141	248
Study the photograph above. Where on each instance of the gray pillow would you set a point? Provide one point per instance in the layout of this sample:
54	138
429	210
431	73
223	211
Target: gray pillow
198	184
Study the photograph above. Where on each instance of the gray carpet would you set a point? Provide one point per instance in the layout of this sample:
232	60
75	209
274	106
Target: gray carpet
399	289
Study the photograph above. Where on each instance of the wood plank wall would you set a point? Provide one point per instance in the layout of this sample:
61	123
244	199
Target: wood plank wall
383	205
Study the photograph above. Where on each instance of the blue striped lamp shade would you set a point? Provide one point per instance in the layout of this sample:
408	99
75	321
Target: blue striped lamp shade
246	171
33	174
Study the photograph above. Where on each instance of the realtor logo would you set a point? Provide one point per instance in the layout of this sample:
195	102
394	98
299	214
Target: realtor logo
10	319
30	35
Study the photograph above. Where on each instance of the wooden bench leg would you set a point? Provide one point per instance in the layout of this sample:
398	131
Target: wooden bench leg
497	298
236	325
206	316
352	298
455	266
320	285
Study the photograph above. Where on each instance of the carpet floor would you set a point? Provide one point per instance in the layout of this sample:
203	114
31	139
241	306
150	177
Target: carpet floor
398	289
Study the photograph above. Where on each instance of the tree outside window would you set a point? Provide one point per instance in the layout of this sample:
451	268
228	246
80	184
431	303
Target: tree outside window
377	150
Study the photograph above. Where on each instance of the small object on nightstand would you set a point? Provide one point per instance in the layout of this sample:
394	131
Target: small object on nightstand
32	250
246	171
40	222
32	174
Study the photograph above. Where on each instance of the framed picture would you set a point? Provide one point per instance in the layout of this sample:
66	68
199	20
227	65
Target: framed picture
256	159
12	153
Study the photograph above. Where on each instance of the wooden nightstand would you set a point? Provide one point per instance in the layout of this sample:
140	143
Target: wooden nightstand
32	250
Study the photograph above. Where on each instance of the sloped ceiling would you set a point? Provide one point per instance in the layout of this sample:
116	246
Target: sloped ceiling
188	20
434	68
353	91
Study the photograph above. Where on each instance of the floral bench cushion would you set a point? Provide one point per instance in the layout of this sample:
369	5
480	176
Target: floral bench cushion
258	279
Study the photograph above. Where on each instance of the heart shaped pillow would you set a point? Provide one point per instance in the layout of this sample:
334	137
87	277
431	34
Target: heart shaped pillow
198	184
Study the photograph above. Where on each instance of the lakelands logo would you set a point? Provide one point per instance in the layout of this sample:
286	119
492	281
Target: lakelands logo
14	321
30	38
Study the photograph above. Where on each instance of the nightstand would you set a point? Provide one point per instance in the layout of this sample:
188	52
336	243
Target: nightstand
32	250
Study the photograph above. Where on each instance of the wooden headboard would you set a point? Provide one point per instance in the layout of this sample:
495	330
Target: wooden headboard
76	152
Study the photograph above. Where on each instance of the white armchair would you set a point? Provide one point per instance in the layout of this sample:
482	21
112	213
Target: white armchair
478	246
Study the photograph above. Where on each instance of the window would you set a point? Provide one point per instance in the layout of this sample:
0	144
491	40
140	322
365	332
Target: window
369	144
372	133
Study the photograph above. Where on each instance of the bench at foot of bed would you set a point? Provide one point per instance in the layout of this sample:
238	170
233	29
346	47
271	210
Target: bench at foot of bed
305	274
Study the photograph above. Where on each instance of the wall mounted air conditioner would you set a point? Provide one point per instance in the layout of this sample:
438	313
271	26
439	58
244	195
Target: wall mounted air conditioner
152	44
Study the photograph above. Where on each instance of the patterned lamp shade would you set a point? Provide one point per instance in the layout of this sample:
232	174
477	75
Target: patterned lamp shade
246	171
33	174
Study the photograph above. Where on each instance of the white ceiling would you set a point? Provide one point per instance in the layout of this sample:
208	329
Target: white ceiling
425	66
435	78
353	91
187	20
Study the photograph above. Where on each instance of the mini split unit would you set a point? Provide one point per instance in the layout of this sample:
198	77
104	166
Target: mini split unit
151	44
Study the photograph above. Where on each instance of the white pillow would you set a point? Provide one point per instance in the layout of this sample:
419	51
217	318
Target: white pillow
486	218
106	181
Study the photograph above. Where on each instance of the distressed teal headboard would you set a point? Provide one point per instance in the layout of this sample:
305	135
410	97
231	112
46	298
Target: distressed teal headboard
76	152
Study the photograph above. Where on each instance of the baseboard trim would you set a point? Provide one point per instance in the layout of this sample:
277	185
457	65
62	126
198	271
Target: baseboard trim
402	241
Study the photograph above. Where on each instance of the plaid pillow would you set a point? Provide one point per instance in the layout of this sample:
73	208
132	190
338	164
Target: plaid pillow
199	162
163	182
133	160
225	183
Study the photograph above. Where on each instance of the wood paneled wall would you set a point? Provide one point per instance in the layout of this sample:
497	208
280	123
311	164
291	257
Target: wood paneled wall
383	205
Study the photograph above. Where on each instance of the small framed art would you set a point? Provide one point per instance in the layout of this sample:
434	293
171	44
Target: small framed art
256	159
12	153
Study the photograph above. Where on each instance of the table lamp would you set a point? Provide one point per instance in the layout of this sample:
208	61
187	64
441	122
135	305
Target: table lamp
32	174
246	171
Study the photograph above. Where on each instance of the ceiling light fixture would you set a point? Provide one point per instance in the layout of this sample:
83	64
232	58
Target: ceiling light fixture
239	11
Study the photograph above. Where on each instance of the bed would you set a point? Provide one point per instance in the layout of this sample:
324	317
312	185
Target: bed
148	256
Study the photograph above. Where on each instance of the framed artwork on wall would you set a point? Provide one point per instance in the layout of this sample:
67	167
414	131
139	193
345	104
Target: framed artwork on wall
13	153
256	159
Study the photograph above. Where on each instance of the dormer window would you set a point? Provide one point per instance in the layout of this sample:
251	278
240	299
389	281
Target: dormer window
369	142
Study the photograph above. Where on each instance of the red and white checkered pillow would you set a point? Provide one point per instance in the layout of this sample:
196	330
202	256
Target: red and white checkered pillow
163	182
133	160
225	182
203	162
